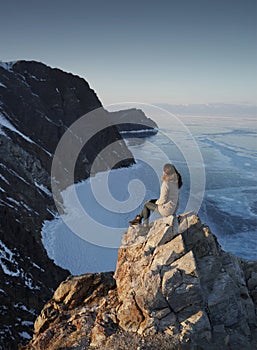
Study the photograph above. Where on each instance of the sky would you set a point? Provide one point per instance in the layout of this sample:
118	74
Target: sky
174	52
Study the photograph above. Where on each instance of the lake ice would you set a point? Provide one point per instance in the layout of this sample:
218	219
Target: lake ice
109	200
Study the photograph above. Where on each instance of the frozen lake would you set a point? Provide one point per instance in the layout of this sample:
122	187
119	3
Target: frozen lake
227	159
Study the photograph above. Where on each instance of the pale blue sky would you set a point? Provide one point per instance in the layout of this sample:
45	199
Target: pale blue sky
174	52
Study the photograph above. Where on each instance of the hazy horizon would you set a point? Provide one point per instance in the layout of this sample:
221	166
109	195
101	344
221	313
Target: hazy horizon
167	53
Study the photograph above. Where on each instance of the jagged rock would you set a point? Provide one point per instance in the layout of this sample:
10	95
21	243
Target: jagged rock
175	289
190	276
69	317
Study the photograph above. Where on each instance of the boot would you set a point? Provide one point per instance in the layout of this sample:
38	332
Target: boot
136	221
146	223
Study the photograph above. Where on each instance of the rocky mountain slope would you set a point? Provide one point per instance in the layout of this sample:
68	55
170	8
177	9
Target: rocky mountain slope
173	288
37	105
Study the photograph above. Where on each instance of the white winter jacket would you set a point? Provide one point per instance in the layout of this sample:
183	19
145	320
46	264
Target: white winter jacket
169	196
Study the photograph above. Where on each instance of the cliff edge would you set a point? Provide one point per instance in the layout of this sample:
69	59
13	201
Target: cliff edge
38	104
173	288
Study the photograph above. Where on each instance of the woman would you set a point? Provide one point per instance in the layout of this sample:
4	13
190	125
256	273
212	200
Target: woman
167	204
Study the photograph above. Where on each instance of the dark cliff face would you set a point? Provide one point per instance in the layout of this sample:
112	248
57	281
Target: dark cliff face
37	105
133	122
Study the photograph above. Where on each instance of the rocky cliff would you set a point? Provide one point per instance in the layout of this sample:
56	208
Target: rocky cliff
37	105
132	122
173	288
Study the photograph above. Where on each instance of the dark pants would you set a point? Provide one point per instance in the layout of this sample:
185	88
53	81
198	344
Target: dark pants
148	207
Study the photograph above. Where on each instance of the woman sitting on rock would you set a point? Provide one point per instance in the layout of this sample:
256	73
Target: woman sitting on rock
167	204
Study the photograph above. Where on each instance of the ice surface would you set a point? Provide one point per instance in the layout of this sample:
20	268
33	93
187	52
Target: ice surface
102	223
73	253
229	207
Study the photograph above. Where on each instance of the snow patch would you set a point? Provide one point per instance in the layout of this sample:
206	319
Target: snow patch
29	209
2	132
10	171
27	323
6	124
7	257
52	213
14	201
38	267
43	189
8	205
3	86
4	179
29	283
7	65
19	204
24	335
50	120
33	77
24	308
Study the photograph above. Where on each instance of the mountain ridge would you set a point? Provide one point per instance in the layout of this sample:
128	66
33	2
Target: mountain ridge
38	104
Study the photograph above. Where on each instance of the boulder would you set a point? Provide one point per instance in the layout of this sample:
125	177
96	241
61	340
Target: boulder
177	269
175	289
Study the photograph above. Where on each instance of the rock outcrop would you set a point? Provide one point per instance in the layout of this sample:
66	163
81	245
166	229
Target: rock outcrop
175	289
133	122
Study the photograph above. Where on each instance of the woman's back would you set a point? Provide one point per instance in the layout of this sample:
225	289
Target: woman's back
169	197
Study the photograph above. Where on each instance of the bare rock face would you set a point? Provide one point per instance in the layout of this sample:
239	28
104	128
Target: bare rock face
175	289
177	280
37	105
68	318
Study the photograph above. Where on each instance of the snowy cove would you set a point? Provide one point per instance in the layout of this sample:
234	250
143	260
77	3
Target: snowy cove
111	199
